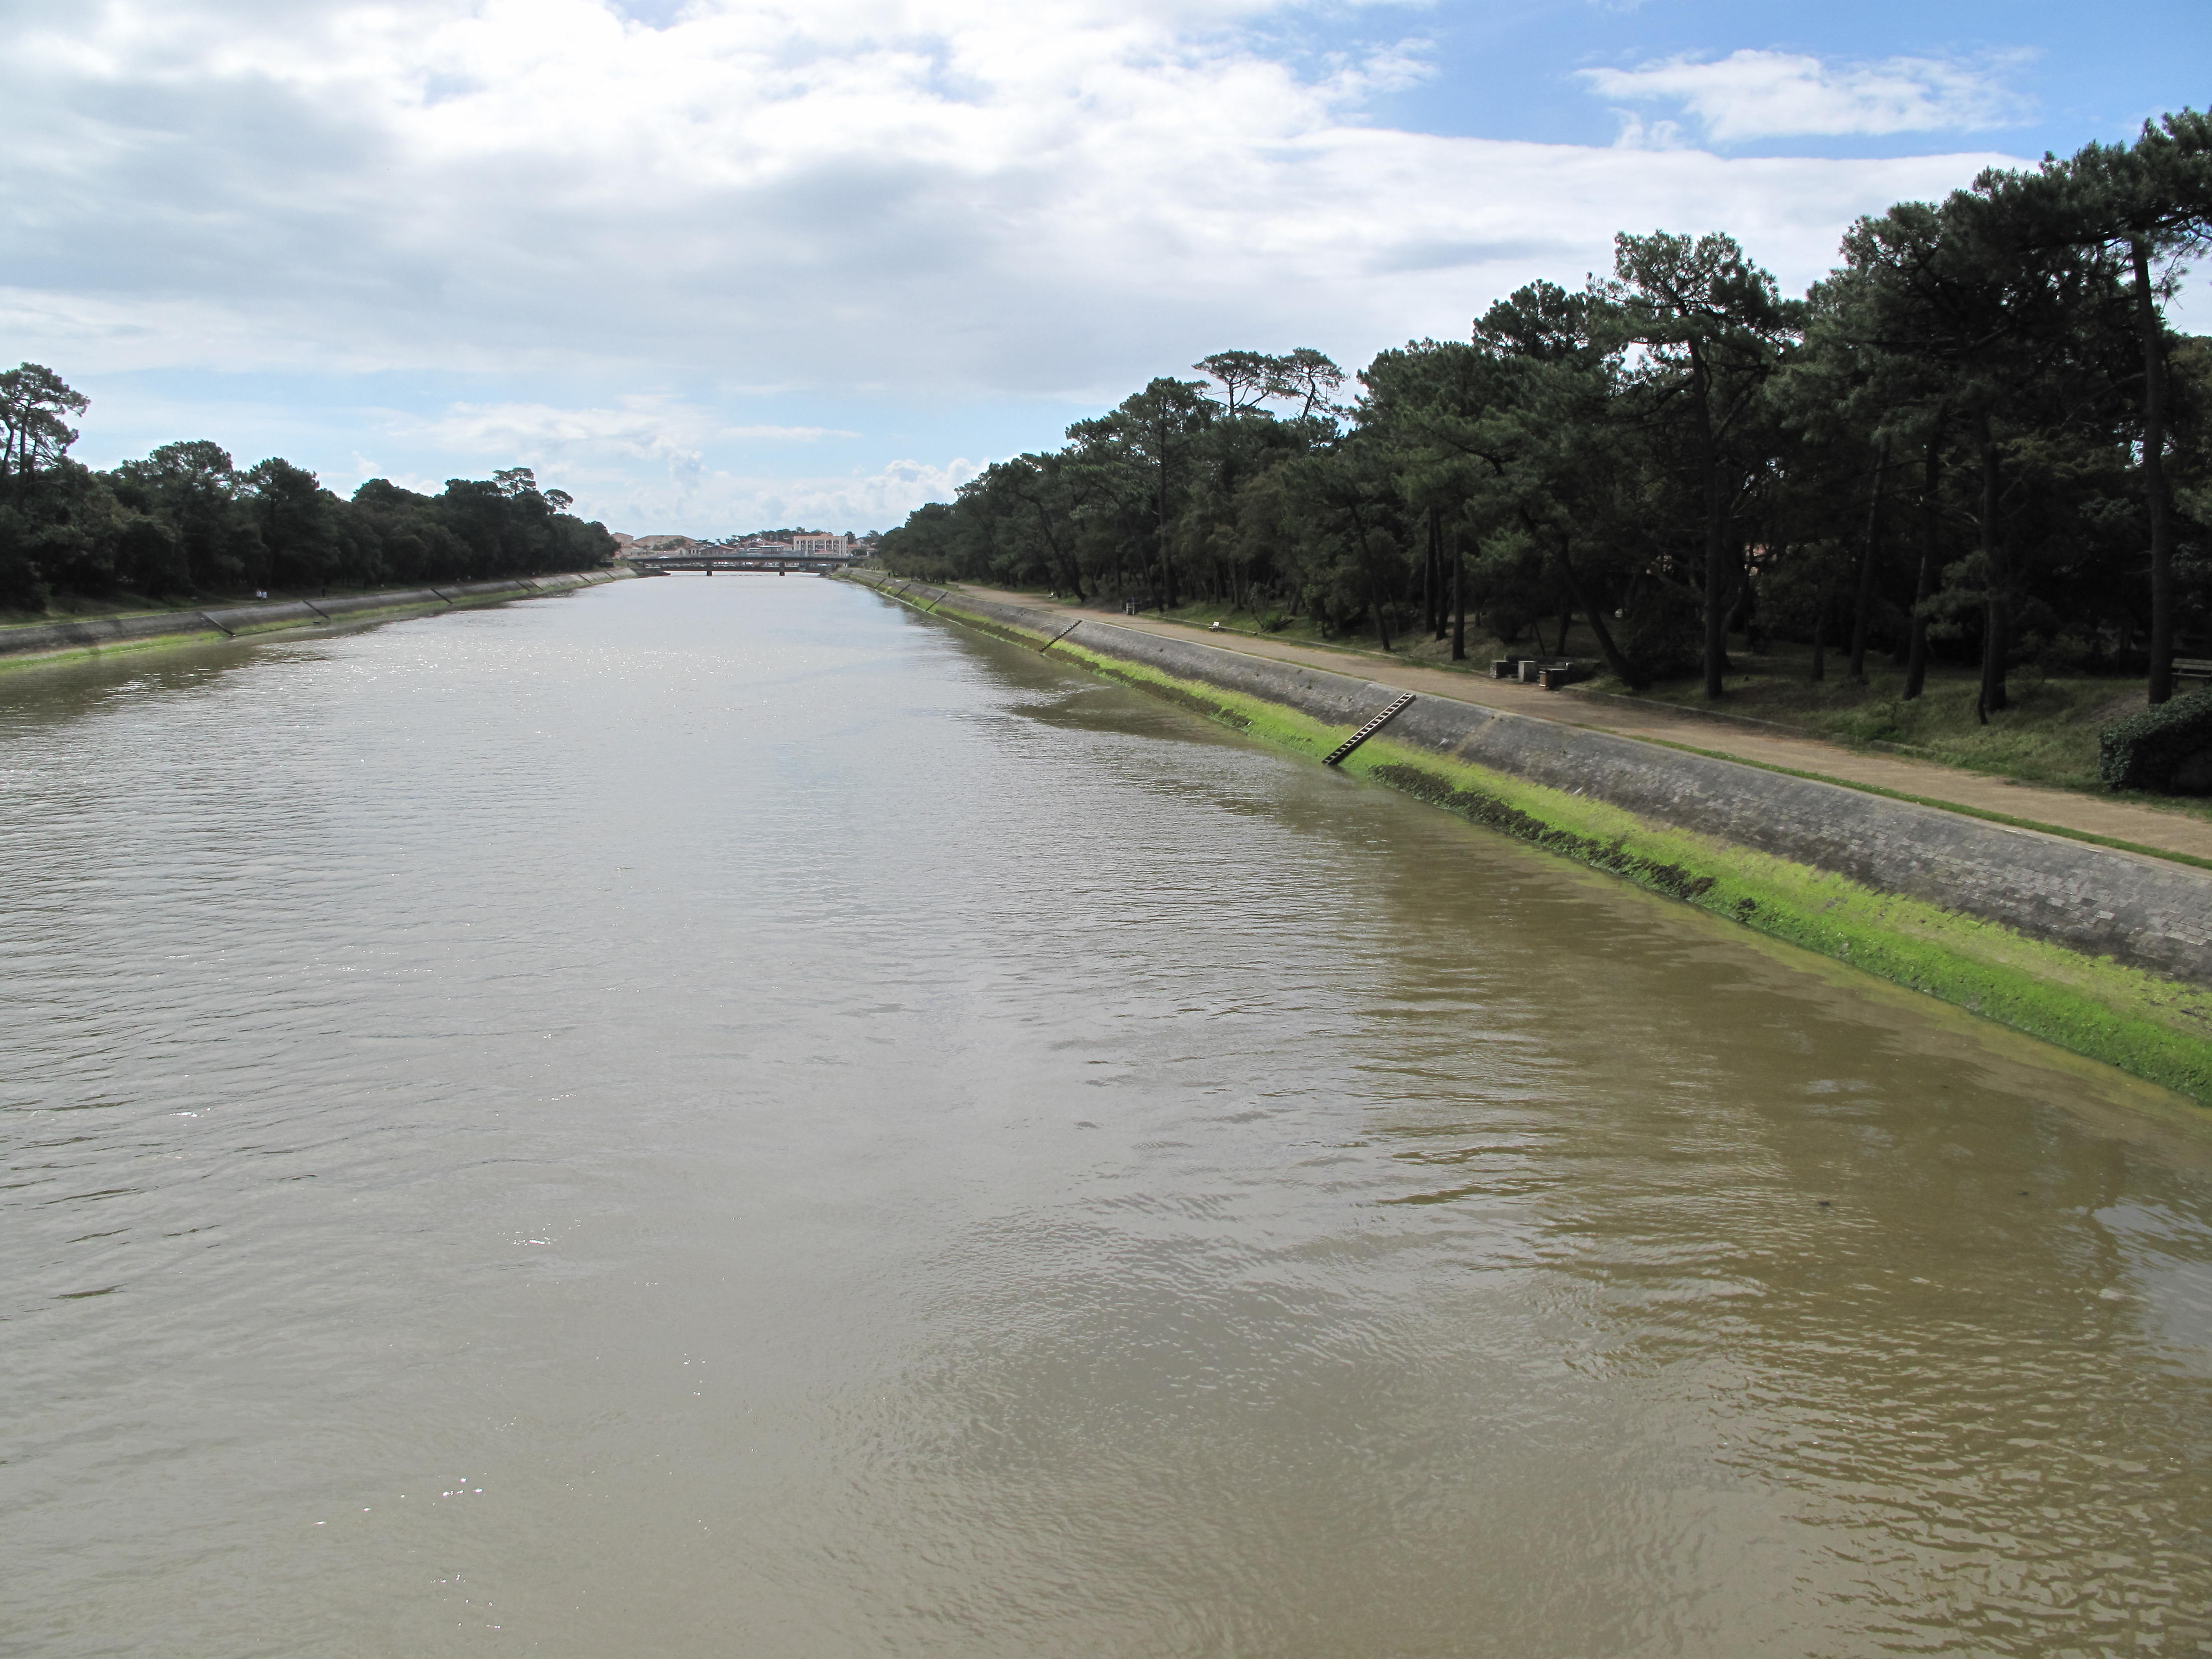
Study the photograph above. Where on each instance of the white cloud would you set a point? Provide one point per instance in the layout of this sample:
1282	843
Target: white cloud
723	500
659	462
639	427
1002	195
632	250
1772	95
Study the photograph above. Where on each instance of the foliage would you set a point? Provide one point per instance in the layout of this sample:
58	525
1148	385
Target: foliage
1976	443
2167	749
185	520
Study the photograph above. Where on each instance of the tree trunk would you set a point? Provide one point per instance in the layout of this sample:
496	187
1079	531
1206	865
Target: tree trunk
2158	506
1071	574
1863	609
1607	648
1432	598
1820	637
1459	600
1167	564
1931	542
1442	627
1742	615
1367	572
1716	595
1996	611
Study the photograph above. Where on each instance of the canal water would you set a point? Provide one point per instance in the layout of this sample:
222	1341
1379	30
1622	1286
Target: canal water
728	1118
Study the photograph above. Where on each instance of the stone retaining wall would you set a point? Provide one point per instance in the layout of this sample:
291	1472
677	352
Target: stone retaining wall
108	632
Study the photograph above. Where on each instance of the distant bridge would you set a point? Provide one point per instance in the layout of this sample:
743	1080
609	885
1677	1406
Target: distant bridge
707	560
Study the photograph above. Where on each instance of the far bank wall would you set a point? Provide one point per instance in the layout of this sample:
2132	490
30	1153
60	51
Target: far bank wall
42	641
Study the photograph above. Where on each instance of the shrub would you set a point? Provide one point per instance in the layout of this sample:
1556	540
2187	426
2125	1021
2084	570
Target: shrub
2167	750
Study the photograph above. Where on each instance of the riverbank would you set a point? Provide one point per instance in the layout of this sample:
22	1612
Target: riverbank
2105	951
2168	827
2046	737
45	642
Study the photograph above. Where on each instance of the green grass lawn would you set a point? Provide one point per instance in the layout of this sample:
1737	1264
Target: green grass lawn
2049	734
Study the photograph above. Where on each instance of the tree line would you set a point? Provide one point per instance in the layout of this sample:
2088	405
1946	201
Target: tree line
185	520
1976	441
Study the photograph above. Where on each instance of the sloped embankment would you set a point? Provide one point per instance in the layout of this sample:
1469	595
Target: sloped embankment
38	642
2104	952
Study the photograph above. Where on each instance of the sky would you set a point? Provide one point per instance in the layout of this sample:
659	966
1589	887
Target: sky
717	265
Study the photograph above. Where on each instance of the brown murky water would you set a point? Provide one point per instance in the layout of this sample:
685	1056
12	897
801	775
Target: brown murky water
722	1118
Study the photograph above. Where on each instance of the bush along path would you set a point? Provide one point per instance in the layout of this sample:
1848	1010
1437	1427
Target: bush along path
2167	749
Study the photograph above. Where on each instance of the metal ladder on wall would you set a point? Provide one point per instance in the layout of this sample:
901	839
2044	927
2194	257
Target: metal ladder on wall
1369	730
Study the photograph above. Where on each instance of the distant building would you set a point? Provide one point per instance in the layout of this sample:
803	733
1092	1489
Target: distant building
799	544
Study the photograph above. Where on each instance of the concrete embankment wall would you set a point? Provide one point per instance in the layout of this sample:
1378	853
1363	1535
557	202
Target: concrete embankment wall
2105	953
40	641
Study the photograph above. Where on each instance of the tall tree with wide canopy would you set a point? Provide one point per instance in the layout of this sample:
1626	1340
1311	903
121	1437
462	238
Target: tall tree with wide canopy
1244	377
35	405
1307	378
1713	330
1419	404
193	488
297	519
2152	201
1881	349
1153	433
